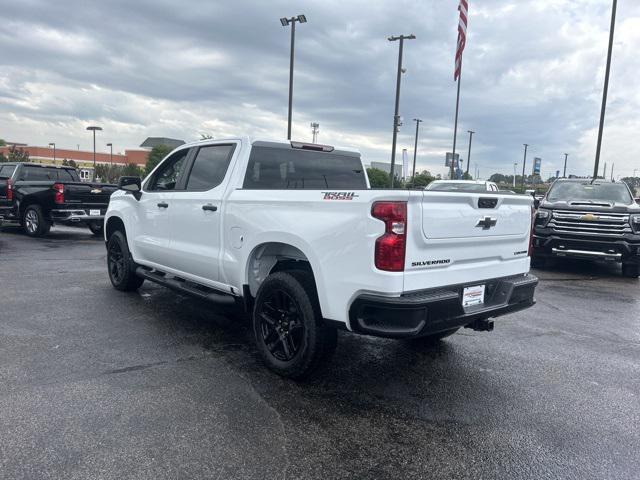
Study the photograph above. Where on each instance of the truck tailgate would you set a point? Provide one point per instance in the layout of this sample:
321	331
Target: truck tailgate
466	238
88	194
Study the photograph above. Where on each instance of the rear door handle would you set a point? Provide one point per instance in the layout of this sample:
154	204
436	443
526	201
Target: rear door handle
163	205
209	207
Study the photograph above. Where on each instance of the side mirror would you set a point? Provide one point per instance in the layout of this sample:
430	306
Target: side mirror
131	185
536	204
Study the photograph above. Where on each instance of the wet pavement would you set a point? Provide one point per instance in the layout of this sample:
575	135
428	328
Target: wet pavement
96	383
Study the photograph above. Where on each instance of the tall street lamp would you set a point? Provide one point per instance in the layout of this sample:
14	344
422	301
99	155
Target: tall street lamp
515	165
52	144
93	129
396	117
415	148
110	145
606	88
471	132
564	173
286	21
524	163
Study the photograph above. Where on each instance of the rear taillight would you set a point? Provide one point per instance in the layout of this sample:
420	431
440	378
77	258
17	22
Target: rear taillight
390	247
9	190
58	196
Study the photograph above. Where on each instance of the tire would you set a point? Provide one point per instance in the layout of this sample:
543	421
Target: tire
290	334
121	268
631	270
34	222
96	227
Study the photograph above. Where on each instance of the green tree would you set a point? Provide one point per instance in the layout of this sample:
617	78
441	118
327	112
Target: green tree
378	178
421	180
132	170
2	142
3	158
102	172
17	154
156	155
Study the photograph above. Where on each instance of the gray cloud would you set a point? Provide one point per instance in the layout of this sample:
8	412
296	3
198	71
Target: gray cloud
533	72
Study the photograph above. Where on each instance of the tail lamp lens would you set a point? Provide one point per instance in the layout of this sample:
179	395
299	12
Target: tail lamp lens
9	190
58	196
391	246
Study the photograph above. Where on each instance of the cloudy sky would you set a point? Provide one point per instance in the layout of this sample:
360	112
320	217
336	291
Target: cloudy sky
533	73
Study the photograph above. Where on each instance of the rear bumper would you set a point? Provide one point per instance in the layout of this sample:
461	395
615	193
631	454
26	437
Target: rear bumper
431	311
74	216
614	250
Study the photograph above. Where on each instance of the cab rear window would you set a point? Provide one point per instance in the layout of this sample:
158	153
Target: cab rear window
6	171
274	168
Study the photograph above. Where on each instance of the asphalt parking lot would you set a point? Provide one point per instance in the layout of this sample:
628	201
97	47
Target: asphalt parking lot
96	383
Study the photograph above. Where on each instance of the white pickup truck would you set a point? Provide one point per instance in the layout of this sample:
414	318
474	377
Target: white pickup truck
294	233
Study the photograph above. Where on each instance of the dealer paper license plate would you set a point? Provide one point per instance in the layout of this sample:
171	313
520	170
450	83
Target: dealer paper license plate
473	296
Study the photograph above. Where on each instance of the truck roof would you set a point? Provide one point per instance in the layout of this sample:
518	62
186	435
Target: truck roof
270	141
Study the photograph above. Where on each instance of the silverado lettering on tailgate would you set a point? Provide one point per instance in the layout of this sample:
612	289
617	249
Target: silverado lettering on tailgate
430	263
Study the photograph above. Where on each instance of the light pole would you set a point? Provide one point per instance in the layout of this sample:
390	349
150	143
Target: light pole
315	129
415	148
286	21
515	165
53	144
606	88
110	145
564	173
396	117
93	129
524	163
471	132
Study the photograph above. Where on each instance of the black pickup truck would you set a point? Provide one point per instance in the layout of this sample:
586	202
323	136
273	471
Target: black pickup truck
37	196
581	218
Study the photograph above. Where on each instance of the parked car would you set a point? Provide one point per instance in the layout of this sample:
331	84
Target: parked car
293	232
37	196
597	220
462	186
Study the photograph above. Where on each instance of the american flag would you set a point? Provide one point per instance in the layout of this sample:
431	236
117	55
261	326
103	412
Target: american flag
462	36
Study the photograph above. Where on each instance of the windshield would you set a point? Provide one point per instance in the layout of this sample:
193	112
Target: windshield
456	187
587	191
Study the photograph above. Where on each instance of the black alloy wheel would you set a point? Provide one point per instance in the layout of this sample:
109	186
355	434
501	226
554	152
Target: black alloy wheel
281	325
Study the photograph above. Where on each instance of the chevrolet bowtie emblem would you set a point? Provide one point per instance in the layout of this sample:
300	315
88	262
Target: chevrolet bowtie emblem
590	217
487	222
96	190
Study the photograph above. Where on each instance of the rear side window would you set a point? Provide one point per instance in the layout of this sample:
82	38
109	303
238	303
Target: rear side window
6	171
209	167
272	168
66	176
39	174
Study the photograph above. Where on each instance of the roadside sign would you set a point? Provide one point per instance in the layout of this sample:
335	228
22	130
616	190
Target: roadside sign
447	162
537	162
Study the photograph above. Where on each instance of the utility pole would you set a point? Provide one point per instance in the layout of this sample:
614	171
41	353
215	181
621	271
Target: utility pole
564	174
94	129
471	132
110	145
515	165
415	147
524	163
606	88
315	129
396	116
285	22
612	167
604	172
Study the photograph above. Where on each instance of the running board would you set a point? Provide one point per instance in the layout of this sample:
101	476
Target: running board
185	287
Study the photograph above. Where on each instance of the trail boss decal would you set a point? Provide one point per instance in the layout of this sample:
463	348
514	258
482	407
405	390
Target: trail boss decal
431	263
339	195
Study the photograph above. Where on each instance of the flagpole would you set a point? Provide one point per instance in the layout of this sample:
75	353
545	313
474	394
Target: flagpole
455	128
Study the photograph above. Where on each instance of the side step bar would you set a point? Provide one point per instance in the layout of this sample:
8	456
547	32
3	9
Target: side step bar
182	286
